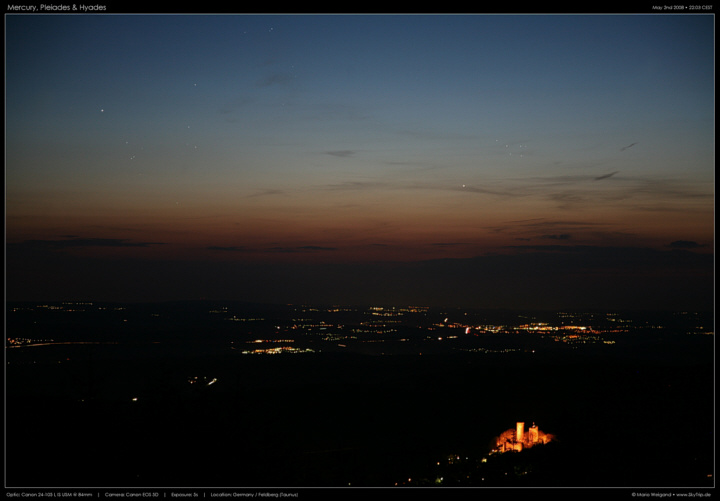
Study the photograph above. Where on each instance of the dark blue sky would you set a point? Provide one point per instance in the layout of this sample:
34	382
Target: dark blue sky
327	142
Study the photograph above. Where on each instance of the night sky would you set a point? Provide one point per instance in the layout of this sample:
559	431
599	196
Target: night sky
514	161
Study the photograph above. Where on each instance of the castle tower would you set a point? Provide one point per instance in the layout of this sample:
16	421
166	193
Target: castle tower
520	432
534	435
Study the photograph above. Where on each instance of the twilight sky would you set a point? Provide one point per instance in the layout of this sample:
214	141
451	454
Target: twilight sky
551	161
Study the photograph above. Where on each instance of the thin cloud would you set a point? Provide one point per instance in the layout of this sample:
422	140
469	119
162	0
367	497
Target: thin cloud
317	247
231	248
559	248
540	224
482	190
605	176
544	223
356	185
673	188
275	79
561	236
367	185
341	153
301	248
267	192
685	244
279	249
541	228
235	105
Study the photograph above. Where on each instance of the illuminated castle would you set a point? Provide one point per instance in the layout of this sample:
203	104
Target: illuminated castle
517	439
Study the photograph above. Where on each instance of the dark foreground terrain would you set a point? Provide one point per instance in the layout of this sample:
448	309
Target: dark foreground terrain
184	413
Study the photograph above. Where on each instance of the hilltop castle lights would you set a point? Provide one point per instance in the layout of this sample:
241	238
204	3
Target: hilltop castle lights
516	439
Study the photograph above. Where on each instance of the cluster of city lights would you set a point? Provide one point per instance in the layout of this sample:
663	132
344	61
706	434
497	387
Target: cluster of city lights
278	350
17	342
202	381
